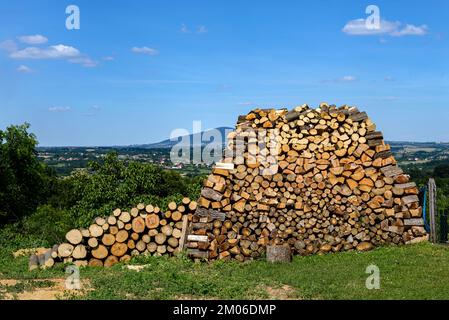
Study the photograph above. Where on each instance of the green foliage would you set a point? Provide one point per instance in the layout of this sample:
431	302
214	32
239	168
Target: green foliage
12	236
24	181
48	224
441	171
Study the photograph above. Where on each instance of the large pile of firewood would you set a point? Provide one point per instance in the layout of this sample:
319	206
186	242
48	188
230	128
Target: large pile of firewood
318	180
145	229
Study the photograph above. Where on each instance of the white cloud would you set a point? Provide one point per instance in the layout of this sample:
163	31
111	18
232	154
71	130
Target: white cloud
60	51
108	58
59	109
95	107
145	50
184	29
33	39
341	79
389	78
347	79
202	29
8	46
358	27
84	61
53	52
24	69
411	30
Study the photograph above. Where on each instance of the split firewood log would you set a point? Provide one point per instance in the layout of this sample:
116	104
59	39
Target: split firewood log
138	225
79	252
74	236
96	231
152	221
95	263
119	249
100	252
65	250
108	239
110	261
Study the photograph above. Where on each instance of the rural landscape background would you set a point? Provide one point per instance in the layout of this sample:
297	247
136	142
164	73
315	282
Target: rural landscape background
86	117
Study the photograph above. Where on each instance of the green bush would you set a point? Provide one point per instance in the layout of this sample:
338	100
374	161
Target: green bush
111	183
49	224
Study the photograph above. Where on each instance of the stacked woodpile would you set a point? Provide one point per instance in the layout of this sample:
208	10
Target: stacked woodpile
318	180
145	229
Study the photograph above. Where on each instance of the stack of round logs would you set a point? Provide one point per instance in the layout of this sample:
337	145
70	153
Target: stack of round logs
320	180
145	229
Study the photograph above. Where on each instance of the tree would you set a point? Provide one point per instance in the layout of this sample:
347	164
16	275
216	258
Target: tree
24	181
441	171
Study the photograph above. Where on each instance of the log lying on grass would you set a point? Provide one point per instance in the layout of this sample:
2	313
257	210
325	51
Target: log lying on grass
145	229
46	259
279	253
317	180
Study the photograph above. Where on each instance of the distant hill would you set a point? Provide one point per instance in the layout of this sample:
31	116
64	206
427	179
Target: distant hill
203	138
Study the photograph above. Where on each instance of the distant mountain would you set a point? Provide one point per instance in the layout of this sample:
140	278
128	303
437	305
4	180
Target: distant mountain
197	139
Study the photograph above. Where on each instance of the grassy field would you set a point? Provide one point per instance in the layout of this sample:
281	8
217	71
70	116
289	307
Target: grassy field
407	272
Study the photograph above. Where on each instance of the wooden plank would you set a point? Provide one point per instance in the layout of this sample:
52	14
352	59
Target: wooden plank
194	237
292	116
383	154
407	185
414	222
211	194
358	116
374	135
195	253
213	214
409	199
391	171
224	166
375	142
182	240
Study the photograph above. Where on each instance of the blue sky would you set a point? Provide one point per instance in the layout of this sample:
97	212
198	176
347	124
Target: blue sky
136	70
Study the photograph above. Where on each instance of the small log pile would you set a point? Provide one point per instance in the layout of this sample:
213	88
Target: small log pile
145	229
318	180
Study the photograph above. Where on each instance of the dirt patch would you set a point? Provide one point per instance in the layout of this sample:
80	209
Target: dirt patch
40	289
284	292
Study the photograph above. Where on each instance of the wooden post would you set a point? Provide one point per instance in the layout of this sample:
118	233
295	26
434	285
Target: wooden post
432	209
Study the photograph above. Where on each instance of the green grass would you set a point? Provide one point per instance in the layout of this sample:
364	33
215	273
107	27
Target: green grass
407	272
